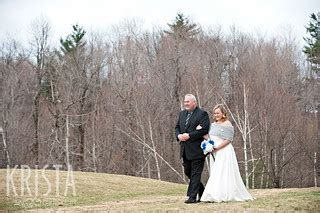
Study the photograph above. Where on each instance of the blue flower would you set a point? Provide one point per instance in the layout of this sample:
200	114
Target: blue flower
207	146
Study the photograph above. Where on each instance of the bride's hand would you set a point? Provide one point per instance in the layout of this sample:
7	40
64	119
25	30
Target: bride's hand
214	150
206	136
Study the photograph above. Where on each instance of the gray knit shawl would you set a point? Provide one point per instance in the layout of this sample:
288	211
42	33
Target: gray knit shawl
222	131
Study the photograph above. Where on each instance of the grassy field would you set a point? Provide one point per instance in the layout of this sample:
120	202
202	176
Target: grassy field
96	191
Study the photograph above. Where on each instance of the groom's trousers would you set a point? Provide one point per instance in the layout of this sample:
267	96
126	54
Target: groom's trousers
193	170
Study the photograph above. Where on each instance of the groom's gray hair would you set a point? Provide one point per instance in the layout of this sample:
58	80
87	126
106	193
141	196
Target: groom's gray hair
192	97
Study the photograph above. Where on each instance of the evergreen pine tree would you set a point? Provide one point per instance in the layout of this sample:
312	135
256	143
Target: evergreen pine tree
73	40
182	28
312	49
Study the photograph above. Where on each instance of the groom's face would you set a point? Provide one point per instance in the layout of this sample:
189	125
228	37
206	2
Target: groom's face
189	103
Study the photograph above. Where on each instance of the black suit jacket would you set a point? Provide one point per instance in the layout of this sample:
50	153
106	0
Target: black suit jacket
191	148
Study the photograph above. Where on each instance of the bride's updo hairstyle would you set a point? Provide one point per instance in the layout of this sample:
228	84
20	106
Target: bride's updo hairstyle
223	110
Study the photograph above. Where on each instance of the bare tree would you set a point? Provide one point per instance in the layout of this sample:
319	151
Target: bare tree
108	102
39	44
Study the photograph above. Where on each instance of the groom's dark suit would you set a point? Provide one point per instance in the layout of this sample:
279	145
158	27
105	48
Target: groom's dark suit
190	150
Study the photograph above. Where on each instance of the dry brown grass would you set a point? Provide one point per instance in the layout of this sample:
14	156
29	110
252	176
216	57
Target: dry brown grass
97	192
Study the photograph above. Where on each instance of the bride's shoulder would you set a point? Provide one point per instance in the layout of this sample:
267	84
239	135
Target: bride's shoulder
227	123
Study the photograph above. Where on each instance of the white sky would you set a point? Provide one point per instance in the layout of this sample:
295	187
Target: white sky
268	16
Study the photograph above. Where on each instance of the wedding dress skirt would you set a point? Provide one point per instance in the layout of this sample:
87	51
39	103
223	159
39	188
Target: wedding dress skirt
225	182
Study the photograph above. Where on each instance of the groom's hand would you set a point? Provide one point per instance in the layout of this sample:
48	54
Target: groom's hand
184	137
180	137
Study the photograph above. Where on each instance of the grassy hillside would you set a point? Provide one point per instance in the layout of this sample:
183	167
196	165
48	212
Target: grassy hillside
96	191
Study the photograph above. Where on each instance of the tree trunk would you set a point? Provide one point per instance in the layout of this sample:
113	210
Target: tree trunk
81	145
94	157
35	114
262	177
268	170
244	135
315	170
67	141
154	150
252	159
7	157
283	159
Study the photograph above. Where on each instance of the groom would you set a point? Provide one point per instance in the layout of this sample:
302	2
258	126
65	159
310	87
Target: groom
192	125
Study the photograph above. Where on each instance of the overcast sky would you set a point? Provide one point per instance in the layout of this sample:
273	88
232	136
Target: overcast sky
268	16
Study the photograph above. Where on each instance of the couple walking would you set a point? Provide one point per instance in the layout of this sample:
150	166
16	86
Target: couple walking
193	126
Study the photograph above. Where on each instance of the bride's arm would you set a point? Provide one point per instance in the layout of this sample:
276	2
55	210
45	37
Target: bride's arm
222	145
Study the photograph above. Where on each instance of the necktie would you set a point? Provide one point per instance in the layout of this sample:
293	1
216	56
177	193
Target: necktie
188	118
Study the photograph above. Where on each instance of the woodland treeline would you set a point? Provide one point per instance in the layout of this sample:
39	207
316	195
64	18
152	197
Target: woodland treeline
108	102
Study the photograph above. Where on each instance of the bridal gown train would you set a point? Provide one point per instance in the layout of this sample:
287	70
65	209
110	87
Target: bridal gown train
225	182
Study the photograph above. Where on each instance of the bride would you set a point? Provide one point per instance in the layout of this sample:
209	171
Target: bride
225	183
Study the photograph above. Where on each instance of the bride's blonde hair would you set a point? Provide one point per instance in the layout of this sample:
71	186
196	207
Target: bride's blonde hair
223	110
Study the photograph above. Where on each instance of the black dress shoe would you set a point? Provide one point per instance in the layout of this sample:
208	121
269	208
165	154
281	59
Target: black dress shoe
190	200
200	192
199	198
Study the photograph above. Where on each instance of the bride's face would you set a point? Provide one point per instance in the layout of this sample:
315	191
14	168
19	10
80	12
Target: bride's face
217	114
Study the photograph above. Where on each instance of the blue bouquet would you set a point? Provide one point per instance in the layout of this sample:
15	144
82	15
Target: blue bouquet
207	146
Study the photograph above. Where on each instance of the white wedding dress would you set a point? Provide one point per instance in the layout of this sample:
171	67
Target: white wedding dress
225	182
